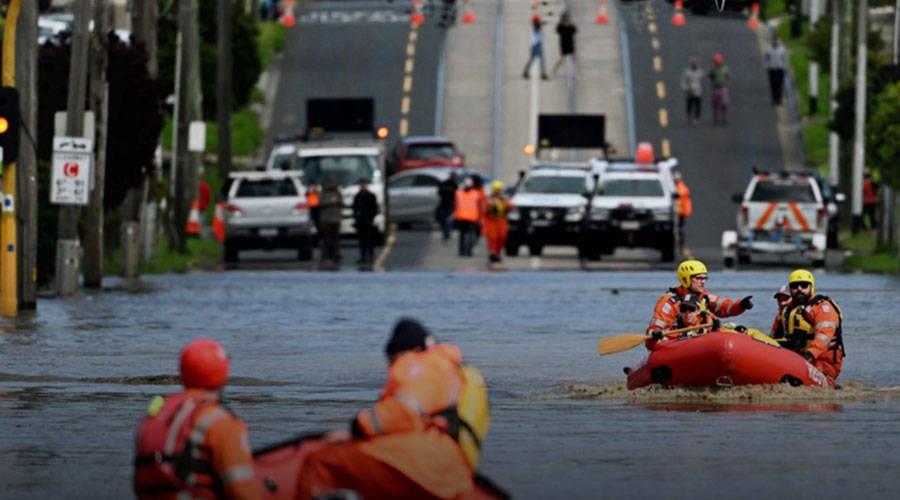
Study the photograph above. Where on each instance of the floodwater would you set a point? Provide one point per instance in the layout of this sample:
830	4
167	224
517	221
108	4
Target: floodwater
306	354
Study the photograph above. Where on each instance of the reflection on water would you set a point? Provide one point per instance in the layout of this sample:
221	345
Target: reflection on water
306	352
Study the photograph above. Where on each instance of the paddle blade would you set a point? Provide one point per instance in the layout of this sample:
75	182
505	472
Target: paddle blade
620	343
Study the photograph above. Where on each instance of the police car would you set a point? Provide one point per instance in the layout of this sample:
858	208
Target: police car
781	214
633	204
548	207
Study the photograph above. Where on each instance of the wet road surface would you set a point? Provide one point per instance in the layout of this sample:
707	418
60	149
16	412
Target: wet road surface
306	354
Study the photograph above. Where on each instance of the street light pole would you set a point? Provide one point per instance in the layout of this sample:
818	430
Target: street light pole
834	141
859	148
814	14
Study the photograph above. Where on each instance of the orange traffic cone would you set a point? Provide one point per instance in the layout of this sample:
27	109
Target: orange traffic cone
469	16
602	18
678	18
417	18
192	226
287	18
753	22
218	223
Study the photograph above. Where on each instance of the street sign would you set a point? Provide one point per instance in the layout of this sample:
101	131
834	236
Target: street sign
197	137
72	162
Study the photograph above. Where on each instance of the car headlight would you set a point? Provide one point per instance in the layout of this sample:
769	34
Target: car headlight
574	214
662	215
513	214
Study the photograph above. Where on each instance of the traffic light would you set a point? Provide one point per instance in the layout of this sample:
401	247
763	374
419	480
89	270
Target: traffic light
9	123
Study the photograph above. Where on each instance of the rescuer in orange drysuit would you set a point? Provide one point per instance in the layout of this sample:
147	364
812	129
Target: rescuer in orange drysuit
400	448
189	445
496	227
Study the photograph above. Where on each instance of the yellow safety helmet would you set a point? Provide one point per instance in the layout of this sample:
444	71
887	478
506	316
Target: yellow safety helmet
690	268
803	276
496	186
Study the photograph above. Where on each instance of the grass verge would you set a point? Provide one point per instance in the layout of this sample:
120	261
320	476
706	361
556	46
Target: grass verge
203	255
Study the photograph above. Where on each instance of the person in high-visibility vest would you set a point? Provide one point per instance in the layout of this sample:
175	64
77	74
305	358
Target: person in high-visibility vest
467	214
684	208
496	227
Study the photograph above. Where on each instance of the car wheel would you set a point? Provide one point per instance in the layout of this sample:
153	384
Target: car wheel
535	249
305	252
743	258
231	252
512	248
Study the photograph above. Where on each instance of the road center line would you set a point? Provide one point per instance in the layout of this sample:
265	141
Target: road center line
666	148
654	42
409	66
663	117
407	83
404	127
651	27
657	63
661	90
404	105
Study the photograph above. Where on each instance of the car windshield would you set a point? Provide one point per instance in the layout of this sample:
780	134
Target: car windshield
346	169
284	161
783	190
553	185
265	188
430	152
632	187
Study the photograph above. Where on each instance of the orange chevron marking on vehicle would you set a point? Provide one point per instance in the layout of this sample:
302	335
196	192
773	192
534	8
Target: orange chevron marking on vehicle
766	215
799	216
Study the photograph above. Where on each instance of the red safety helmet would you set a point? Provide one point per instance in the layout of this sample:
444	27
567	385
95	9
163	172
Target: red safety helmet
204	365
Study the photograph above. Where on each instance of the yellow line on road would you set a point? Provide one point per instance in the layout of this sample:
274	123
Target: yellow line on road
404	127
651	27
666	148
413	34
404	105
411	49
661	90
409	66
407	83
388	246
657	63
654	42
663	117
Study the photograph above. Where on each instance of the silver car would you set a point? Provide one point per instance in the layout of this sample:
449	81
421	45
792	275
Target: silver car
266	210
413	194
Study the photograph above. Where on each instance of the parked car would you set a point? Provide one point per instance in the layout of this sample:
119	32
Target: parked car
424	151
701	7
548	208
266	210
781	214
413	195
832	199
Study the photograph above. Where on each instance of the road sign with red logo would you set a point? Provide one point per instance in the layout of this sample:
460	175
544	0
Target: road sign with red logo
72	162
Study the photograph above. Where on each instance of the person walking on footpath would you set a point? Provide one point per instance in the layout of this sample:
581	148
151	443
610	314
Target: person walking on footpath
566	31
685	208
776	62
467	213
870	199
331	208
720	79
692	85
365	208
446	204
537	48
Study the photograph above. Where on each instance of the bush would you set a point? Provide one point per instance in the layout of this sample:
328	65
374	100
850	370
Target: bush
883	135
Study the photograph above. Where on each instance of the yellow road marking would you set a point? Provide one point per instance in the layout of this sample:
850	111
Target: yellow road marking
661	90
666	148
409	66
388	246
404	105
410	49
407	83
404	127
654	42
413	34
657	63
663	117
651	27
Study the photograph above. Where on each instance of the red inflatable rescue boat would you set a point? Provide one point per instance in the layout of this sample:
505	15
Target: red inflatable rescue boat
723	359
278	468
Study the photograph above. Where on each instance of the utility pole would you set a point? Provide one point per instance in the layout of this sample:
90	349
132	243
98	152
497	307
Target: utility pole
189	105
93	220
9	289
834	141
223	78
859	144
815	11
68	247
26	167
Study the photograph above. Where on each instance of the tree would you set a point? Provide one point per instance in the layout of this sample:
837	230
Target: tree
246	64
883	135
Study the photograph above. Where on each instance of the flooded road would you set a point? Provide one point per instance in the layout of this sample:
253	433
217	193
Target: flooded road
306	353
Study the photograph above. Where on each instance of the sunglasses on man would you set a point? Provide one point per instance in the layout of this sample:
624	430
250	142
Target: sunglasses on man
800	285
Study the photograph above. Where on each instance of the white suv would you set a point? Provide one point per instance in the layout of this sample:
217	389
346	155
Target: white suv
780	214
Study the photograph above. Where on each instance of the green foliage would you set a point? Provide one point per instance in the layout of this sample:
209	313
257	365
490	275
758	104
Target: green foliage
272	39
818	42
201	254
881	262
883	135
246	61
246	134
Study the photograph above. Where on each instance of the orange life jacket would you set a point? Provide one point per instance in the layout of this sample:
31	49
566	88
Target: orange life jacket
684	199
467	206
312	198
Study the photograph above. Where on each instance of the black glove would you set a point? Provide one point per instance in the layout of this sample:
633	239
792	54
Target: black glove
716	324
656	334
808	356
747	303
